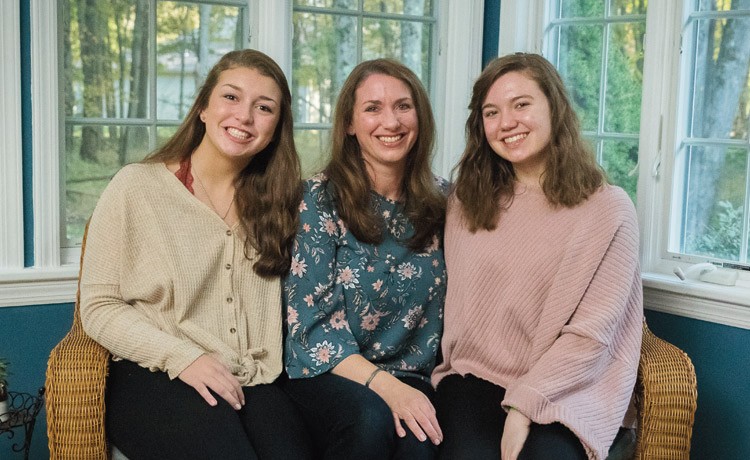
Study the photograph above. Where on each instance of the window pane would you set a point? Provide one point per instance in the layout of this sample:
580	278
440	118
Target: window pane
343	4
411	7
624	78
324	52
714	227
190	39
163	133
102	85
627	7
721	96
620	160
313	147
108	149
408	42
579	56
580	8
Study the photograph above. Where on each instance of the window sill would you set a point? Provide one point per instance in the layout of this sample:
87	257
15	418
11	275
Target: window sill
36	286
697	299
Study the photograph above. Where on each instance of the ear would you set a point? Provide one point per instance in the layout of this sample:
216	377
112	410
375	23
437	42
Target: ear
202	116
350	130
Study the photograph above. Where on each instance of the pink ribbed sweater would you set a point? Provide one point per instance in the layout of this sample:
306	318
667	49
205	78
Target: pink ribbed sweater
549	306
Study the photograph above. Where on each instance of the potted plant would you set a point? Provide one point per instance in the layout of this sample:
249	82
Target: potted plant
4	409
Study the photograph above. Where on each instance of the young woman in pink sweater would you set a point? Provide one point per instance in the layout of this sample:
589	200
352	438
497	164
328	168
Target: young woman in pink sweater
543	312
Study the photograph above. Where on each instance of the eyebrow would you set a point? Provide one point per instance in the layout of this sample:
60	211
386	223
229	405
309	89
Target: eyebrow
513	99
262	97
378	101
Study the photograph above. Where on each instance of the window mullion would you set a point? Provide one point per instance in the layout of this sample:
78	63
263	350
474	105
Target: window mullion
46	123
11	182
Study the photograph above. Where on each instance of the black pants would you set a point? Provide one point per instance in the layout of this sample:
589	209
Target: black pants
472	420
350	421
149	416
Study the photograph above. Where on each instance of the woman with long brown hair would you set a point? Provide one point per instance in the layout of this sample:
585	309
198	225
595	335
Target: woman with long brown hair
544	305
181	277
365	292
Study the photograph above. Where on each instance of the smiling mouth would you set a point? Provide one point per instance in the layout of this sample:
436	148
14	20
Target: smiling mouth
238	134
390	139
516	138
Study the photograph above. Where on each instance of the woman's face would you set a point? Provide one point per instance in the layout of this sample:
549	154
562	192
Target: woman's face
242	113
385	122
517	123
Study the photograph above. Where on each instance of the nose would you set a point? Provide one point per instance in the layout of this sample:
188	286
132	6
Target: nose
507	121
391	119
244	114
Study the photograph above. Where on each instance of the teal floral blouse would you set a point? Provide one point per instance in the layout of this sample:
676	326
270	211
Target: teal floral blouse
343	297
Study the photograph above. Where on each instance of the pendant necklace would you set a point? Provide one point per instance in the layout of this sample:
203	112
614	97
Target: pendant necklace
210	201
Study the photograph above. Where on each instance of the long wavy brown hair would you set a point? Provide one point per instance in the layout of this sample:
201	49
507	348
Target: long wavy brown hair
484	183
268	190
424	202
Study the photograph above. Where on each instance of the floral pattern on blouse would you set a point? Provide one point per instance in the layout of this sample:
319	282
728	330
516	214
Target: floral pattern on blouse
344	297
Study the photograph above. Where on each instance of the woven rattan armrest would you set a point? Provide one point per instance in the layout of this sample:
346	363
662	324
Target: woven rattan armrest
76	376
666	399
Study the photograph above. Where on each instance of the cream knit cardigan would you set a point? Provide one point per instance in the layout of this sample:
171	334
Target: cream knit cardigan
549	307
165	280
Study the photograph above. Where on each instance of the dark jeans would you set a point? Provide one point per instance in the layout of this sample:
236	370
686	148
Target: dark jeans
150	416
350	421
472	420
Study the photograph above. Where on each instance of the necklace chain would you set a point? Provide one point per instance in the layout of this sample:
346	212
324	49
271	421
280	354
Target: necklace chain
210	201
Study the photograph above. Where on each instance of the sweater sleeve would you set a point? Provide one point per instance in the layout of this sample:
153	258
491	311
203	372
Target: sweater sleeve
585	378
318	333
112	259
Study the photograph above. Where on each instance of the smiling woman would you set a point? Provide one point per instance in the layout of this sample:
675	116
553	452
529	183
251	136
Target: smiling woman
365	294
181	284
543	313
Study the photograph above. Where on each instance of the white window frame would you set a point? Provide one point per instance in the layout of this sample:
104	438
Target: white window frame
522	29
52	278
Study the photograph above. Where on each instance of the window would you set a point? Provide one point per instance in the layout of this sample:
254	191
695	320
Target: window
598	49
135	110
331	37
682	153
130	69
711	178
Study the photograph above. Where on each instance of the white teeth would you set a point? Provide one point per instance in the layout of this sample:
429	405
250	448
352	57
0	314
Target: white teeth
388	139
234	132
517	137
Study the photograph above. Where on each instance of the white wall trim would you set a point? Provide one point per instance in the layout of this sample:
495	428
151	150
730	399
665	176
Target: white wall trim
11	179
459	64
45	126
521	26
694	300
39	287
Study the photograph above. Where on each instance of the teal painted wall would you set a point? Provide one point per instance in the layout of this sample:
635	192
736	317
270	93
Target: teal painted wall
27	335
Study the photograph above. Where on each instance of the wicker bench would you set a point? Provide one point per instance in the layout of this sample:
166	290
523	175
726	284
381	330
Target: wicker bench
665	396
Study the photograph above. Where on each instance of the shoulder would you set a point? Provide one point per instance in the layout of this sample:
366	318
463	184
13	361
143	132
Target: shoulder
316	187
613	202
139	175
442	184
317	194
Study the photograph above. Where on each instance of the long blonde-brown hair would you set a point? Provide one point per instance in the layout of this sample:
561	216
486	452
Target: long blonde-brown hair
268	190
484	184
424	202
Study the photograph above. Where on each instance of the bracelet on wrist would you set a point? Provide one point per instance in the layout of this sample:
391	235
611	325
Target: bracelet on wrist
372	376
